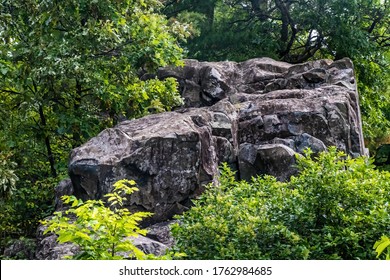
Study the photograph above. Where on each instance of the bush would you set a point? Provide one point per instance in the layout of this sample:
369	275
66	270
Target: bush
336	208
103	232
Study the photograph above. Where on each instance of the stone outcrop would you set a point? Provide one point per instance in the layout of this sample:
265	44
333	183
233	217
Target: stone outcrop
254	115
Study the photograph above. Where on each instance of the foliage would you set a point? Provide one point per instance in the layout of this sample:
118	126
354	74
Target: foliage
21	212
21	249
98	230
8	177
381	245
298	30
374	89
69	68
336	208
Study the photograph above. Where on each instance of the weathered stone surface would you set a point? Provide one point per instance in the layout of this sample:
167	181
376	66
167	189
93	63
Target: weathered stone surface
149	246
255	115
65	187
329	114
171	156
161	232
274	159
168	155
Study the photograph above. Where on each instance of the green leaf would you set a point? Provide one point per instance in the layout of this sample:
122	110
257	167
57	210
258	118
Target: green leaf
76	202
381	245
65	237
4	71
82	235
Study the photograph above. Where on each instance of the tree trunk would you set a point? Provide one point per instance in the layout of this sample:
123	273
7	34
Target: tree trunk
209	9
50	155
284	32
76	130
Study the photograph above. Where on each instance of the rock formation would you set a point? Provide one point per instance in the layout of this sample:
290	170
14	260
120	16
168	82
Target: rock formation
255	115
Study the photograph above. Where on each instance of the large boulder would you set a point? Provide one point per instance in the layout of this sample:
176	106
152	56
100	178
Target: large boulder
255	115
170	155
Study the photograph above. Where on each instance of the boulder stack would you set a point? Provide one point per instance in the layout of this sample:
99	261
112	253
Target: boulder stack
255	115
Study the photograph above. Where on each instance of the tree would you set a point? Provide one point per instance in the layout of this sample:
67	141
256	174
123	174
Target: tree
67	67
299	30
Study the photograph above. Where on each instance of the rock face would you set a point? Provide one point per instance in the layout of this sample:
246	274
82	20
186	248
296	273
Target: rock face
254	115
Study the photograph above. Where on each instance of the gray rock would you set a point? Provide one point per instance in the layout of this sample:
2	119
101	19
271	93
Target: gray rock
305	141
64	187
277	160
255	115
168	155
329	114
161	232
316	75
149	246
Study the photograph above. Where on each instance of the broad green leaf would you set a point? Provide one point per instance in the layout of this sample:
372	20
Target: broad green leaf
65	237
381	245
82	235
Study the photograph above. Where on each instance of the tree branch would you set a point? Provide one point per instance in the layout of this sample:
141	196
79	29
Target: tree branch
9	91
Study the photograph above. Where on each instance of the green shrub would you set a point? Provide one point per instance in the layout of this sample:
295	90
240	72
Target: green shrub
336	208
102	232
